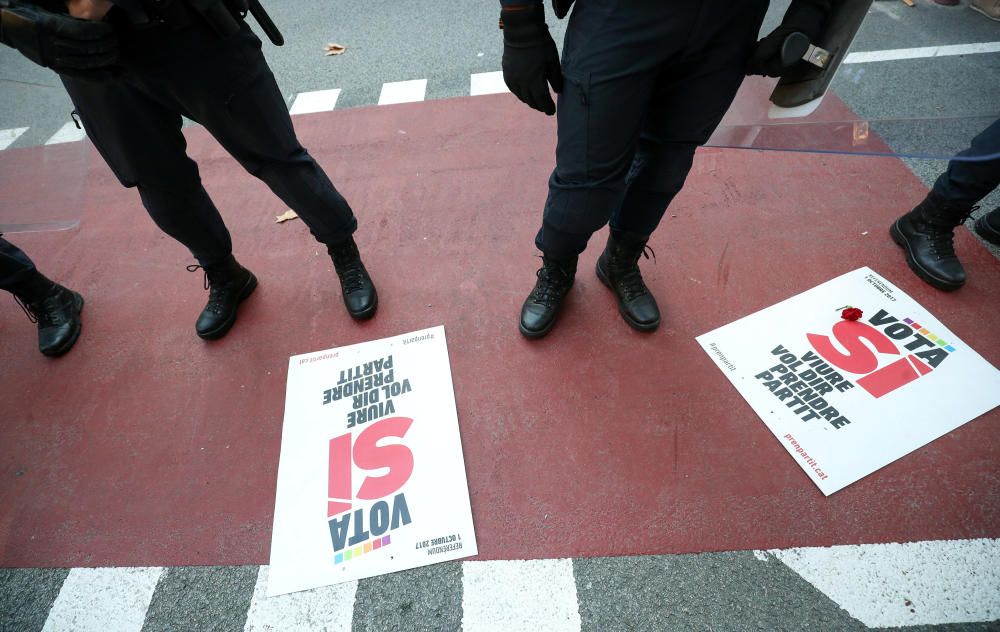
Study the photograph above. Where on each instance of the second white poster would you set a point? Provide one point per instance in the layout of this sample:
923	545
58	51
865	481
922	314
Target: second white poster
371	478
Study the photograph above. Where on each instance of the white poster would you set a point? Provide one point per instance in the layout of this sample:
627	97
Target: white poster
371	478
847	397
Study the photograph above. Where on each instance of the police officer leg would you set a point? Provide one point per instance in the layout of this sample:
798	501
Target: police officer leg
598	125
255	127
688	103
926	233
54	308
141	141
609	72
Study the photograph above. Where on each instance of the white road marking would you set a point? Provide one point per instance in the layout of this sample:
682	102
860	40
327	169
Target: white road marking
487	83
920	583
327	608
519	596
101	599
8	136
922	52
68	133
403	92
318	101
881	585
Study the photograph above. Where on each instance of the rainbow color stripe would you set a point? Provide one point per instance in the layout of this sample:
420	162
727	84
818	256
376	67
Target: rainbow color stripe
930	336
361	549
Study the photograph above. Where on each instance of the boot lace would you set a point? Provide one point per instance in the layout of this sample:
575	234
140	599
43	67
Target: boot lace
941	239
553	281
350	270
44	312
630	281
217	292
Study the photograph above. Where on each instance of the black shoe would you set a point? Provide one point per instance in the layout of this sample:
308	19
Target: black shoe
58	318
618	269
988	227
540	309
360	297
228	284
926	234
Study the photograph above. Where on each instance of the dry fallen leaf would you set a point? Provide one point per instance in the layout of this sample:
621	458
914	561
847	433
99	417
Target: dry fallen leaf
334	49
284	217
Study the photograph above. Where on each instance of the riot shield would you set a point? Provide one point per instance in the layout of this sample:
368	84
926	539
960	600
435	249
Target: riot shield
915	102
835	128
43	187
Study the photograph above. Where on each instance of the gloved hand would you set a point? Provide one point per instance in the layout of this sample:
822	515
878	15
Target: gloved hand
530	59
803	16
78	48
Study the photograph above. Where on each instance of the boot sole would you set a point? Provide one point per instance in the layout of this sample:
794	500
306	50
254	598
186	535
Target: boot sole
985	233
634	324
927	277
222	329
74	336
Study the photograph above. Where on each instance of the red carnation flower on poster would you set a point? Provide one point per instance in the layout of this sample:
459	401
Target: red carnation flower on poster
850	313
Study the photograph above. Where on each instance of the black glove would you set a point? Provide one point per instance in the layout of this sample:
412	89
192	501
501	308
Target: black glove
803	16
80	48
530	59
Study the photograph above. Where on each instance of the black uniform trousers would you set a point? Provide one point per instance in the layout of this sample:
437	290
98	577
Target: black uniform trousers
646	83
135	122
15	267
966	181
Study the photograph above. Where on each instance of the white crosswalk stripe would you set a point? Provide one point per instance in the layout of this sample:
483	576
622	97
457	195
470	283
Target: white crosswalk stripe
317	101
101	599
403	92
922	52
487	83
519	596
879	585
330	607
919	583
8	136
68	133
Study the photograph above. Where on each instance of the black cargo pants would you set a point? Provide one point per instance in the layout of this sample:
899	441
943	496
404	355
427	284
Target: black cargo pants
967	182
646	83
135	122
15	267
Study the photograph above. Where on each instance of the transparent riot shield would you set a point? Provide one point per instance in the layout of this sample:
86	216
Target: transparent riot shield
890	93
835	127
42	188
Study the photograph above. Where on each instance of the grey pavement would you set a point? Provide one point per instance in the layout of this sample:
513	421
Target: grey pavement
710	591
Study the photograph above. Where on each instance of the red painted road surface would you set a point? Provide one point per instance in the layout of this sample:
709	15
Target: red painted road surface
148	446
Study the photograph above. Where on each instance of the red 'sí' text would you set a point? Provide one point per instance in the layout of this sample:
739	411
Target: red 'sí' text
860	359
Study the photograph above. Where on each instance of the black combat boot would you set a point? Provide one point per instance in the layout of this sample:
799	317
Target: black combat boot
988	227
228	284
540	309
360	297
926	234
618	269
55	309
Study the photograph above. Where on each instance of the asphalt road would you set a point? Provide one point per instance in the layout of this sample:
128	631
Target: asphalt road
446	42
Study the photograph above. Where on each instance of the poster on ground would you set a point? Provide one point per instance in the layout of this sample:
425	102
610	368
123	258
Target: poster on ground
847	397
371	477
